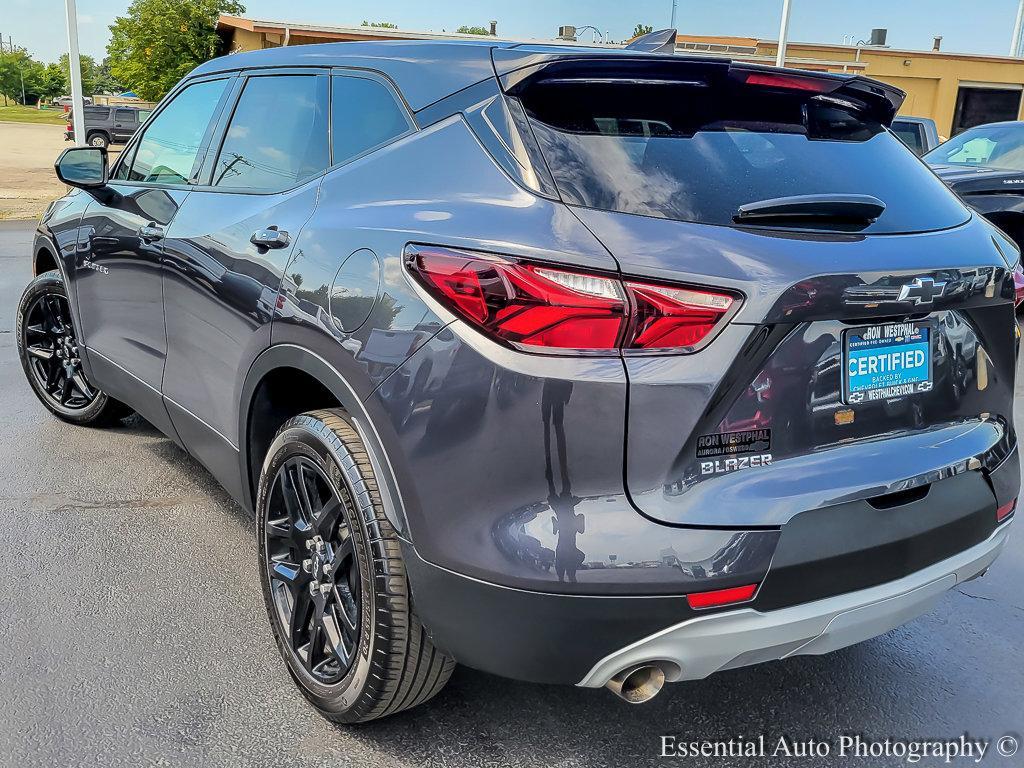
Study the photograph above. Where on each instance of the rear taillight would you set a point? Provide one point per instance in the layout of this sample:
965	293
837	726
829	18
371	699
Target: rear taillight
540	308
1005	511
1018	285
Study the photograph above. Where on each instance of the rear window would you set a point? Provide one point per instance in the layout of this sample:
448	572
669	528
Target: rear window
694	143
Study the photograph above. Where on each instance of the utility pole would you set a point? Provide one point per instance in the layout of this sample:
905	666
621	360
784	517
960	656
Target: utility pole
672	23
75	65
780	57
1015	42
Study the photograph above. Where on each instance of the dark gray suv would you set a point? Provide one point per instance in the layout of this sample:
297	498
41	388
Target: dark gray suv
578	366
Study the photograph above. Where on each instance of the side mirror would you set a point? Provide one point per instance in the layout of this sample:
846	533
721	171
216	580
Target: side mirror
83	167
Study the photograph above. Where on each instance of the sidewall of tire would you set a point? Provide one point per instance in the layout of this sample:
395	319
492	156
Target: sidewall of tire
351	697
99	411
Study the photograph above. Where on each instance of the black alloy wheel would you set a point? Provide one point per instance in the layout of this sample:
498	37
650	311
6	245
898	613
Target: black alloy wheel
313	572
50	353
53	356
334	578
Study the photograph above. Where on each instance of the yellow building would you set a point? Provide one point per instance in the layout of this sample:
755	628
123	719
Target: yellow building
956	90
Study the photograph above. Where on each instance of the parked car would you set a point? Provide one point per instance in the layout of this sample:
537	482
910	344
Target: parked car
609	343
67	101
918	133
108	125
985	166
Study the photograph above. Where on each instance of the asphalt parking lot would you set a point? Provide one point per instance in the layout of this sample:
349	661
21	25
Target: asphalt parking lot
132	632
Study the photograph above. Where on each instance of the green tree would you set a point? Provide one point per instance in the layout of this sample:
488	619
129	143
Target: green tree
54	81
87	66
380	24
159	41
642	29
22	78
466	30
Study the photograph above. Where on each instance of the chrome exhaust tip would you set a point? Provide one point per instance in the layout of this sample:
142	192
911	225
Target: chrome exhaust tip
637	685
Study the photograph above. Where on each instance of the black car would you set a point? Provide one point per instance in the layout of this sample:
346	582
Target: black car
108	125
577	366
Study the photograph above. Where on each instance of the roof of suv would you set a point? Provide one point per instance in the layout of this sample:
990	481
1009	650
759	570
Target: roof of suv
423	70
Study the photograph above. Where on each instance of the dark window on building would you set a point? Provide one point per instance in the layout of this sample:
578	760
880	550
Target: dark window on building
366	115
277	136
977	106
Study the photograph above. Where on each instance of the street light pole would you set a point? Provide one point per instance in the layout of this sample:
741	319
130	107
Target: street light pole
1015	41
672	23
74	64
780	57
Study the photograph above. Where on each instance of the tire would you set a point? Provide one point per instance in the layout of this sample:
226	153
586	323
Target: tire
370	657
97	139
69	395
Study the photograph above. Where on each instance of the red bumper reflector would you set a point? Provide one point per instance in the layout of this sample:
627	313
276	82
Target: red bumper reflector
718	597
1006	510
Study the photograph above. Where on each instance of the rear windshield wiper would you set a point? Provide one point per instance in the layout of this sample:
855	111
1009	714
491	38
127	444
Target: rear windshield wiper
812	209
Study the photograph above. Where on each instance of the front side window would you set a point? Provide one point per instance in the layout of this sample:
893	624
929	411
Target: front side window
365	115
169	148
277	136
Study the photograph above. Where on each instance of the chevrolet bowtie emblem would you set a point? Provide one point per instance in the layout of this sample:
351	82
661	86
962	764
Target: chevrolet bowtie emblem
923	290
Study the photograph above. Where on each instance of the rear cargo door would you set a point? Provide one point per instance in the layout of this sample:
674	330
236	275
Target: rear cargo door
873	349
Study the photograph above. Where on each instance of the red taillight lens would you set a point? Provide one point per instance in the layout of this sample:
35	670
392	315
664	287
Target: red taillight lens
668	318
540	308
1005	511
1018	285
526	305
718	597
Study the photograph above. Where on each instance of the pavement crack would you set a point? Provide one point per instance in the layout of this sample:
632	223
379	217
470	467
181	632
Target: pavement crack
989	599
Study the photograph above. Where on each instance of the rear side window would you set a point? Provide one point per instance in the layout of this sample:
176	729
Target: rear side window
277	136
169	148
125	115
910	134
365	115
693	142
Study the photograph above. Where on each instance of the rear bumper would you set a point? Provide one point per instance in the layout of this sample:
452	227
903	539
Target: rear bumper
696	648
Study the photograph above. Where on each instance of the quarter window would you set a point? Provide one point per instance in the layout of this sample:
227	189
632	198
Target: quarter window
169	148
365	115
277	136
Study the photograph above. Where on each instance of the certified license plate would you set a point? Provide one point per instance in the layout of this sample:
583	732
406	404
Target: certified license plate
882	362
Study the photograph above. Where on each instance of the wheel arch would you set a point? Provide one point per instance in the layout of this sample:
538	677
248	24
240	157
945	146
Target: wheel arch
282	357
44	259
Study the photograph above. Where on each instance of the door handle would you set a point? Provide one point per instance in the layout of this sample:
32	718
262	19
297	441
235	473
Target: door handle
150	232
271	237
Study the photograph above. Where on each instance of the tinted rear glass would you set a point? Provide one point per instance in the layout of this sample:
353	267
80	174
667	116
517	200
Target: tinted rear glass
695	146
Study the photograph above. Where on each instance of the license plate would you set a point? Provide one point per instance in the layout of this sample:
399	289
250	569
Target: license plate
882	362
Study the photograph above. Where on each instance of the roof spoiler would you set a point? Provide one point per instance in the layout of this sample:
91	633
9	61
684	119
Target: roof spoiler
873	98
518	67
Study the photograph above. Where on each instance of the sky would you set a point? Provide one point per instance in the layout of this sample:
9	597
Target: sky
981	26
